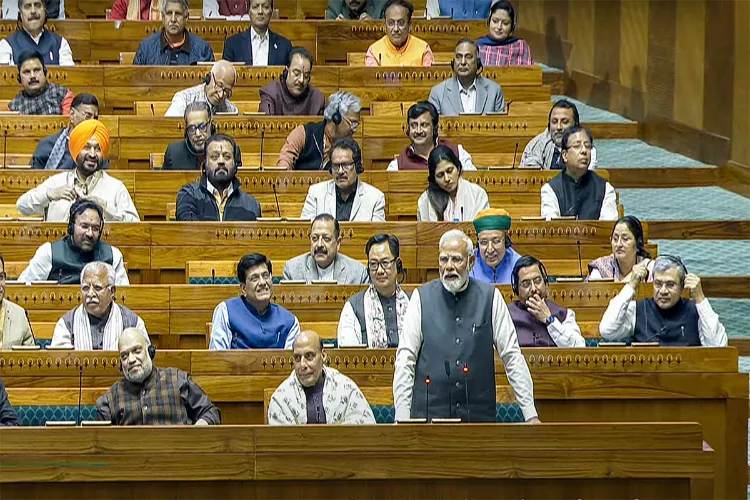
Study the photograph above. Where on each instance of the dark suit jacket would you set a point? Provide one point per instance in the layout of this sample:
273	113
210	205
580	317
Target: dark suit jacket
239	48
43	150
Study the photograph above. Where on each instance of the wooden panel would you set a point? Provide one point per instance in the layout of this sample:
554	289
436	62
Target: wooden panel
741	114
689	62
718	97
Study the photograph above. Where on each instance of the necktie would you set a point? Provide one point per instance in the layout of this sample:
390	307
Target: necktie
58	151
556	160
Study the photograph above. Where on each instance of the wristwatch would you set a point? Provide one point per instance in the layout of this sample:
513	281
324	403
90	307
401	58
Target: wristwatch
550	320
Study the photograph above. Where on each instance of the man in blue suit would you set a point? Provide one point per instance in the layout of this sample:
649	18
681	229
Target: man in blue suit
258	46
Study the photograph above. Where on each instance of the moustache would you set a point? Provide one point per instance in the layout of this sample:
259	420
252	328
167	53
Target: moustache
321	250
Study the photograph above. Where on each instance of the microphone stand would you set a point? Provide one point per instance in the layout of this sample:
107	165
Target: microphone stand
466	388
427	382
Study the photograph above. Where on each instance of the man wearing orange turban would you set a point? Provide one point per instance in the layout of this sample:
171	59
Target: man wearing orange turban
494	256
89	146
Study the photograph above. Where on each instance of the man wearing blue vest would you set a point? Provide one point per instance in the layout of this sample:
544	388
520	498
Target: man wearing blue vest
251	321
32	36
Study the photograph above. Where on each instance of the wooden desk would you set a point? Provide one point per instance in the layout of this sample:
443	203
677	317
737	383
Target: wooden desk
118	87
571	385
653	460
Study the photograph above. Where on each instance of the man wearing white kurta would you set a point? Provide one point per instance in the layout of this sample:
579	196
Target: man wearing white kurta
316	394
452	345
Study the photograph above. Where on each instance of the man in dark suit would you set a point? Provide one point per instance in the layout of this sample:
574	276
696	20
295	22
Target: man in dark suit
258	46
52	152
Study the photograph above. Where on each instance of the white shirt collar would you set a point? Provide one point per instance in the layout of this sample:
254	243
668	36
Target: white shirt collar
36	38
254	36
227	192
472	87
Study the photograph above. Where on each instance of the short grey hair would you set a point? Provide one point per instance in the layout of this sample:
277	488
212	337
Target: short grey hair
197	106
457	233
664	263
343	102
183	3
96	267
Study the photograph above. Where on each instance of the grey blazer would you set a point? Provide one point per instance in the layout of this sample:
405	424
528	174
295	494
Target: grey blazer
346	270
16	329
445	96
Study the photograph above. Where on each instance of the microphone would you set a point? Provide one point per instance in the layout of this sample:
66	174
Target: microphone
514	156
80	393
262	138
466	388
380	59
276	195
153	111
402	108
450	398
462	213
30	328
5	147
427	383
580	260
213	276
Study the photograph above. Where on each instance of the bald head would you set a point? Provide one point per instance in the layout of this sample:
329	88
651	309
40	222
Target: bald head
136	363
308	358
221	84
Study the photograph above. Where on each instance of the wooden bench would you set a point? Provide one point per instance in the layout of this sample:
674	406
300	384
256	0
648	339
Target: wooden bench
250	161
159	108
358	58
514	108
604	384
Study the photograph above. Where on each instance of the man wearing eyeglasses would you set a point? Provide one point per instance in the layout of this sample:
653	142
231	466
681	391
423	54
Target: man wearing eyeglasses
216	90
292	94
666	317
52	152
577	191
252	321
398	47
190	153
345	196
14	323
374	317
308	146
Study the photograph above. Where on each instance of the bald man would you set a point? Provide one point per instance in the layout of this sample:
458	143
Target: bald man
89	147
317	394
148	395
215	90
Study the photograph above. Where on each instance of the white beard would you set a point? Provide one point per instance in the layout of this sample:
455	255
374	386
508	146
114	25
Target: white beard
455	285
139	376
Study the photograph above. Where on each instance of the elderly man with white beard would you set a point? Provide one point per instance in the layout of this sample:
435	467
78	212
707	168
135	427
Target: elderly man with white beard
148	395
445	365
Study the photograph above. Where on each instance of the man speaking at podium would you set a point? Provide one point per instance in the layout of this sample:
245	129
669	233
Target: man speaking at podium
445	365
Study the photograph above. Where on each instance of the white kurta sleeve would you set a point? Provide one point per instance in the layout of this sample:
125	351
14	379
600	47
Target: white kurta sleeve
177	108
221	333
61	335
66	54
293	333
121	275
567	333
35	201
349	331
550	205
39	266
710	329
409	344
592	165
516	369
618	322
467	162
124	209
609	204
433	9
6	53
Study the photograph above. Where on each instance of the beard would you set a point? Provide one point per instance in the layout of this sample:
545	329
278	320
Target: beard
138	375
454	284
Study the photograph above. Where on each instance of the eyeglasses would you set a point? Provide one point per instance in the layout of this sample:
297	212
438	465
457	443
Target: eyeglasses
353	124
193	128
95	228
342	166
670	285
526	284
87	115
401	23
385	264
255	278
580	145
225	91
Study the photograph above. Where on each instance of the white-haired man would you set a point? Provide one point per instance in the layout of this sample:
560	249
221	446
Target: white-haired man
215	90
98	322
450	328
307	147
148	395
